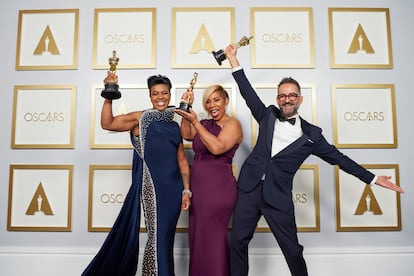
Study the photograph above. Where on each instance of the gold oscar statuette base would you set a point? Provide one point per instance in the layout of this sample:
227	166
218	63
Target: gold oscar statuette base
111	91
220	55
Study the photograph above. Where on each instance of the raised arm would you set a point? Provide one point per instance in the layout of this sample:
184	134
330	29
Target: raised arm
230	135
124	122
231	54
186	129
249	94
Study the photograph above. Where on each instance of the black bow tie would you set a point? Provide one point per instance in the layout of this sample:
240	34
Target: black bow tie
292	121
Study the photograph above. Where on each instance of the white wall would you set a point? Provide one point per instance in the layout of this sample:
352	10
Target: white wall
327	252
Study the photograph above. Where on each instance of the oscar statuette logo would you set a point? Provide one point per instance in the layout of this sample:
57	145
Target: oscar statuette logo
40	203
184	104
220	56
111	87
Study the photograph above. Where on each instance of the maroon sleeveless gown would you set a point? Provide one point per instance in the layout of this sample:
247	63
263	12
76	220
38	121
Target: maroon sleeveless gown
214	194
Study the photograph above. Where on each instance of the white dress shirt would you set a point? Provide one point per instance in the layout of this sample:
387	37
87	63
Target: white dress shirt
285	133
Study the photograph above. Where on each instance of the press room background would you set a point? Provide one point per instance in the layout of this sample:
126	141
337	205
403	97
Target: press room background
80	244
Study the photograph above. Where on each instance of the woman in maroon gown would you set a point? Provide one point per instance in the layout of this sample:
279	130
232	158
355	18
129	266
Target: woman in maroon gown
213	184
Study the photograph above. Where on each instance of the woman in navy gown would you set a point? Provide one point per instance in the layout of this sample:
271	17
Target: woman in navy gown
160	181
215	142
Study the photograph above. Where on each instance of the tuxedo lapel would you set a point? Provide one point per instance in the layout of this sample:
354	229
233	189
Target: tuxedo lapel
305	126
270	129
294	145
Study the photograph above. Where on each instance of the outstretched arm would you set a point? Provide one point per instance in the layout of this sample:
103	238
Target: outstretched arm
333	156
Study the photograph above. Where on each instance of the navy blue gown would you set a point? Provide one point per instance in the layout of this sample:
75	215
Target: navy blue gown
157	184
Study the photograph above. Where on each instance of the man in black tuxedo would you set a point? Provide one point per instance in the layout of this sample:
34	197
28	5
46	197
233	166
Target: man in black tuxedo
265	181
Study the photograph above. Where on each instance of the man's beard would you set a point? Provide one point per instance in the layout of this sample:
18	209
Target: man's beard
293	112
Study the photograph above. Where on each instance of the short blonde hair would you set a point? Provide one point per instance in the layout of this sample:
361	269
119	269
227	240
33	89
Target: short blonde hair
210	90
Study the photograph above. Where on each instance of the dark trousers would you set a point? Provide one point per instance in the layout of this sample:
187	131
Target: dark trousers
248	210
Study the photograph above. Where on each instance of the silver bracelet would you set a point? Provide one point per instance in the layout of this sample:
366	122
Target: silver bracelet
190	194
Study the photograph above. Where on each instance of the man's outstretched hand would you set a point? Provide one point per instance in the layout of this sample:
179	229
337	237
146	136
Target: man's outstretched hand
385	182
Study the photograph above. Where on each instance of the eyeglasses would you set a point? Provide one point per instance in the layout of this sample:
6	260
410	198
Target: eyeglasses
291	96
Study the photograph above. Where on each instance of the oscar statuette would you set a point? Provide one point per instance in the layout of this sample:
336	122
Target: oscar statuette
220	56
111	88
184	104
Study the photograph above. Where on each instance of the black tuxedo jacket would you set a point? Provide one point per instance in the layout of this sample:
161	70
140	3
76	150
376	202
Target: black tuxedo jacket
281	168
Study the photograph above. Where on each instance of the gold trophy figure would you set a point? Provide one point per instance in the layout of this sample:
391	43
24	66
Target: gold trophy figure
185	104
111	87
220	56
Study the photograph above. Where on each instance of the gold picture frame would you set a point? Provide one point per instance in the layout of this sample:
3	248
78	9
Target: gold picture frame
364	123
197	106
108	187
360	38
305	195
283	37
267	93
47	39
40	198
361	207
104	198
133	37
197	32
43	116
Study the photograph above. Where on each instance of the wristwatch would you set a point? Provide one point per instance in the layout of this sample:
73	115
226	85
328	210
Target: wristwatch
190	194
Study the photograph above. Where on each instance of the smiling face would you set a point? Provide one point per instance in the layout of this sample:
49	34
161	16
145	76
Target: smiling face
215	101
289	99
160	96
